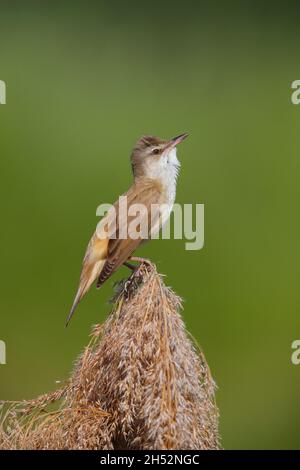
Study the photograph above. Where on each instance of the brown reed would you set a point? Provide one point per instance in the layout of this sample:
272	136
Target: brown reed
141	383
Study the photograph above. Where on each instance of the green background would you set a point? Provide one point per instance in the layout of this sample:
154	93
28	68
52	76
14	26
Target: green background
84	81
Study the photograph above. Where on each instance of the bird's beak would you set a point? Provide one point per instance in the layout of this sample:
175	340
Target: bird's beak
176	140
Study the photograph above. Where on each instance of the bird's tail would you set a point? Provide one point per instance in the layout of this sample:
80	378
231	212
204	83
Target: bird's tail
77	299
87	278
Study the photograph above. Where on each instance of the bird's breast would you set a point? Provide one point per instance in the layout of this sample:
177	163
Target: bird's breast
167	200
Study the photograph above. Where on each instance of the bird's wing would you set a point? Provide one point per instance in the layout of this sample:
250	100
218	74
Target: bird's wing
106	251
120	249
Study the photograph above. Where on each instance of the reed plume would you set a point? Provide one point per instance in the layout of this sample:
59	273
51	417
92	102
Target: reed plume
141	383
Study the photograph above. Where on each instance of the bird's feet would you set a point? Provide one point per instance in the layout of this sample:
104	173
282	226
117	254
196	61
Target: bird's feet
140	260
143	262
136	277
130	266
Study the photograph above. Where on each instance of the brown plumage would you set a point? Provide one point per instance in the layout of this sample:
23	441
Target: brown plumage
154	166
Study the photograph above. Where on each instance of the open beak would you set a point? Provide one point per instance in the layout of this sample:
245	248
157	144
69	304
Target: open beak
176	140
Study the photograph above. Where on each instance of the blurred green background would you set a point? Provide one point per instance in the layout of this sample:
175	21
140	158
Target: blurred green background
84	81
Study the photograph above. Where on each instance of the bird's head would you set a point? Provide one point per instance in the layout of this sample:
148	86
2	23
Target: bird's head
154	157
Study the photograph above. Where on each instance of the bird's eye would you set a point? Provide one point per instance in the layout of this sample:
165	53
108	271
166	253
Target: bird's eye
155	151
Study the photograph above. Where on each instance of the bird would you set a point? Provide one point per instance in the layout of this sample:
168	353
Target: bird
155	168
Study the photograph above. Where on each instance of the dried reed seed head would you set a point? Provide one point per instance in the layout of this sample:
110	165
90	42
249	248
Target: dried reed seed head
139	384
